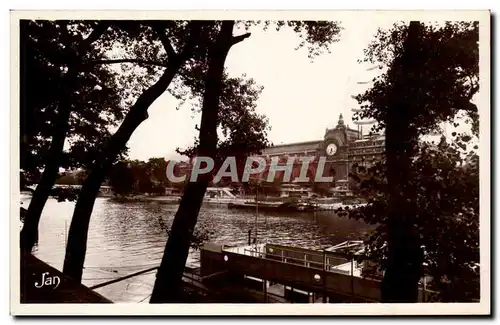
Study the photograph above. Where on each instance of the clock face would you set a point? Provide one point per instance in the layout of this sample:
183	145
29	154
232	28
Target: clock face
331	149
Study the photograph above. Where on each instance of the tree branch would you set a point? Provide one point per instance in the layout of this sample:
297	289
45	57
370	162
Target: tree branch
164	40
96	33
195	29
239	38
137	61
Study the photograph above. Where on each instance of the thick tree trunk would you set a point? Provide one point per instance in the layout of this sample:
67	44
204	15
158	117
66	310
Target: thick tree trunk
77	236
404	264
29	233
168	284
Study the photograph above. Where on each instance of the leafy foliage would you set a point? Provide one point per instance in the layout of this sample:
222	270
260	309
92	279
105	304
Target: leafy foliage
444	85
444	178
125	60
121	179
110	151
243	130
76	177
447	214
49	49
316	36
139	177
237	118
168	281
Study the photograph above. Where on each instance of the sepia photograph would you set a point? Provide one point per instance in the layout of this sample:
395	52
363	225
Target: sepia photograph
263	163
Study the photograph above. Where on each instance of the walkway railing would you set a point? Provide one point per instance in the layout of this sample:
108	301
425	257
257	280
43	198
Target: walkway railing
327	261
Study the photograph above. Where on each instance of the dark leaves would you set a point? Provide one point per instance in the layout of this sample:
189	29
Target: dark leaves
444	179
445	83
50	49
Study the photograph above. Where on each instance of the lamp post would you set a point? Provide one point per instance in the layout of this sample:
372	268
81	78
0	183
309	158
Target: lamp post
351	257
256	211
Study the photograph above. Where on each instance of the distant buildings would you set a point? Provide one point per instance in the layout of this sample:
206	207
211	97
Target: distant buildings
341	146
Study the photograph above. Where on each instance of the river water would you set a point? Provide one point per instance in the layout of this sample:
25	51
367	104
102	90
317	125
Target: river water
128	237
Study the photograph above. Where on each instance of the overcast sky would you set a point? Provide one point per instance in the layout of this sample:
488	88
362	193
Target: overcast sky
300	98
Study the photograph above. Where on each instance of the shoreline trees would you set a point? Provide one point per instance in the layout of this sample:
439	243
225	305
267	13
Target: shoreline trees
185	37
168	284
62	101
423	197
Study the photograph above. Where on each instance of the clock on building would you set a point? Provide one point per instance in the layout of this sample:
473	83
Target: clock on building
331	149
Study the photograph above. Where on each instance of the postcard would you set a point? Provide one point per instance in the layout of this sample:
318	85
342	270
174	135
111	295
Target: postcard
250	163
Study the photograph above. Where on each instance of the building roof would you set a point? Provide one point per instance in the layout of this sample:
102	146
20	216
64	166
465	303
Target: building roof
375	137
296	147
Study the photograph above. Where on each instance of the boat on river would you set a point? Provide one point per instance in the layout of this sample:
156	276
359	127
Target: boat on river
275	206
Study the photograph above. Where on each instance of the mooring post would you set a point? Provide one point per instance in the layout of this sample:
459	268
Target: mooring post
352	279
324	276
265	289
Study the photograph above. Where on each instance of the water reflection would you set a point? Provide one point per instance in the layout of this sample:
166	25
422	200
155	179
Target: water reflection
125	237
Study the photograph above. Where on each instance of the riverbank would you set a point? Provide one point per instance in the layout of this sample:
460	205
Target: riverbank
326	204
41	283
175	199
124	238
320	204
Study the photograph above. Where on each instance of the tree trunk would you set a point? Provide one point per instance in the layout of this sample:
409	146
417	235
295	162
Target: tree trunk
404	260
77	236
168	284
29	233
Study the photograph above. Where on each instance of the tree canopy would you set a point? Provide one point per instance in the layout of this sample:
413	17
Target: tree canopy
444	86
48	48
140	177
242	130
212	75
444	177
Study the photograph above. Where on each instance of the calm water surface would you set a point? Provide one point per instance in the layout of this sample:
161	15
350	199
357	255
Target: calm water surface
128	237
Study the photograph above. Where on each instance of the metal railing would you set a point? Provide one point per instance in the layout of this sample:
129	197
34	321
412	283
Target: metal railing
325	265
263	253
